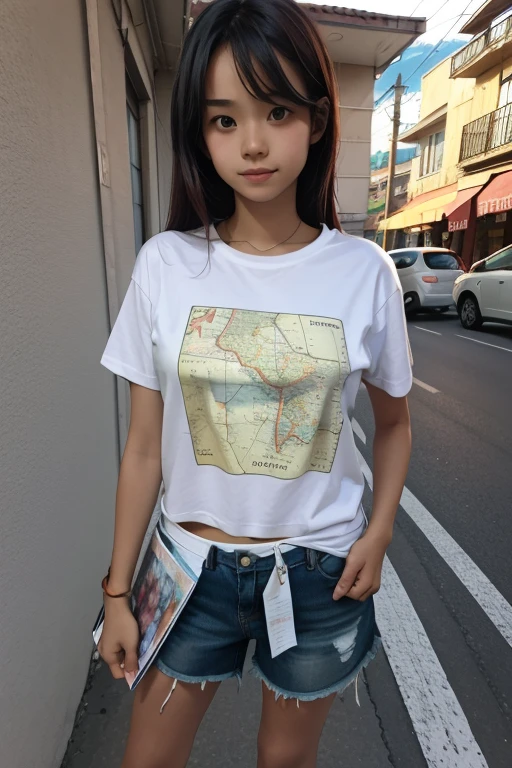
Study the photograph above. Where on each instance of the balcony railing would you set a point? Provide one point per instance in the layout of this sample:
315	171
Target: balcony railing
488	132
471	51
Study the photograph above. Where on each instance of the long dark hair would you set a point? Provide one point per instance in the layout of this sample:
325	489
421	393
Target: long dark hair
255	30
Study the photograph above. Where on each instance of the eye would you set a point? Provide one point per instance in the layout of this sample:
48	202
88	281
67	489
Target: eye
280	113
225	120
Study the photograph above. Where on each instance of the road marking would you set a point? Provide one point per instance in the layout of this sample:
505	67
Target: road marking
438	719
358	431
505	349
426	386
427	330
490	600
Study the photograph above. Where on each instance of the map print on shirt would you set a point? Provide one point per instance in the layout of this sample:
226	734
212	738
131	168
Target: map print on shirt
262	390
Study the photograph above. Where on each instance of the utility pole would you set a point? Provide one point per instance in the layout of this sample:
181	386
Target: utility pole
399	92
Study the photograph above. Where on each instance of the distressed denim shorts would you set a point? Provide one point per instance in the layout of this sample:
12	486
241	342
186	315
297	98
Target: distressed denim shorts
336	639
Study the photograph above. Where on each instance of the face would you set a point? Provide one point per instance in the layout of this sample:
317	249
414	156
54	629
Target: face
242	133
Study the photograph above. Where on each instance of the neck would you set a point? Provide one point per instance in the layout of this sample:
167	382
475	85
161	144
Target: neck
264	223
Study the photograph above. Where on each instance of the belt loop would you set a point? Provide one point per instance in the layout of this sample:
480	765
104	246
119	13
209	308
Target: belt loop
311	558
211	558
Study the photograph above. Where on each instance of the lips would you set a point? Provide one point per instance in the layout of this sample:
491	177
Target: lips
258	172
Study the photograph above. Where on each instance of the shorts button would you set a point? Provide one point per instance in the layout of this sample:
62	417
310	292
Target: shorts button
245	561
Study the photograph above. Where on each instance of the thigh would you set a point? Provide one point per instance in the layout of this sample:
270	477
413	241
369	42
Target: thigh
290	730
335	638
164	739
207	642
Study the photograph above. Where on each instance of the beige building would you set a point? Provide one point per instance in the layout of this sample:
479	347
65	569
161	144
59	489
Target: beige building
460	191
86	168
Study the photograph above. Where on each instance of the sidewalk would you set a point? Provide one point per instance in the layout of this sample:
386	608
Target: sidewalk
227	736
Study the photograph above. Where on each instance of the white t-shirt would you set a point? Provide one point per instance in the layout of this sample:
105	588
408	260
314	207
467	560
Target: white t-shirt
259	360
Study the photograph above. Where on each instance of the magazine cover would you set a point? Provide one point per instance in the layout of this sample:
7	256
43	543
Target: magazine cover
164	583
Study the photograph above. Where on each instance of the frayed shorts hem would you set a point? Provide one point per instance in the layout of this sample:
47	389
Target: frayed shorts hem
197	679
312	696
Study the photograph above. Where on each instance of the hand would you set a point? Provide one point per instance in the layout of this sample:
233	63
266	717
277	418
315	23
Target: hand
362	573
120	637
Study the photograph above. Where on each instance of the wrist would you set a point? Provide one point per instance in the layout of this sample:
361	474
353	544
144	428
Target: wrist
115	589
119	601
381	534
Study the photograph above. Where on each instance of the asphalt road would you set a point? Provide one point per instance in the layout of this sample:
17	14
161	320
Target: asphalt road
440	695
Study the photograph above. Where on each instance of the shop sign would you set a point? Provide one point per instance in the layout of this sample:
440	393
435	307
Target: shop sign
453	226
495	205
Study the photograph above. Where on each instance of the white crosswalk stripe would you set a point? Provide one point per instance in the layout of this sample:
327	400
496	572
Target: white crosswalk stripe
484	592
437	716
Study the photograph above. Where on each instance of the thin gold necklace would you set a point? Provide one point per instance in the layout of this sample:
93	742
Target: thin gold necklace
262	250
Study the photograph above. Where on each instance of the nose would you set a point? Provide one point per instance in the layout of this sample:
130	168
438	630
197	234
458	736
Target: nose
254	142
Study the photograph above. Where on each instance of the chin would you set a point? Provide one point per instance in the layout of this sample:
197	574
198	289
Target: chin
259	194
265	196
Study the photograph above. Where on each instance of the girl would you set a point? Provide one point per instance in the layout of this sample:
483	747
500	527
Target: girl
245	334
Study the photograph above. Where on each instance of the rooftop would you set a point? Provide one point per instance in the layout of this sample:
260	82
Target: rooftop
484	16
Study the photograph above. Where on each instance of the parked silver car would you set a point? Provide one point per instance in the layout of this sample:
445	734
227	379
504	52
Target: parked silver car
427	276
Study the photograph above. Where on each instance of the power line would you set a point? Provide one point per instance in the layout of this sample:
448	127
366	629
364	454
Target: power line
457	19
427	57
413	12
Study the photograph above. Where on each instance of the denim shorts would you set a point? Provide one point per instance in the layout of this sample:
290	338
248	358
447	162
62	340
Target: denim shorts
336	639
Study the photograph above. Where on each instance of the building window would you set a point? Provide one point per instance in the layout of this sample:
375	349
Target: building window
431	157
505	92
134	143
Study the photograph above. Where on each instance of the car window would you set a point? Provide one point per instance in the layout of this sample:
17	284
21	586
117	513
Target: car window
440	260
404	258
501	260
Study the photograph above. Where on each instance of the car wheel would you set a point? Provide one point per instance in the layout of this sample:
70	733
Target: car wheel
411	303
469	313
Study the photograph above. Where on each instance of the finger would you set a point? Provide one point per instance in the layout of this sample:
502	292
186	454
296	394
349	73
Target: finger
113	657
371	591
116	671
131	662
359	589
347	581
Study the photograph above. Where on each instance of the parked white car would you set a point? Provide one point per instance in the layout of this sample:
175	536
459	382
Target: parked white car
484	294
427	276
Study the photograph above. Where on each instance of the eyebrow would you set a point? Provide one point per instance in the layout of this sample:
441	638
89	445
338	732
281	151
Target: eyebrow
219	103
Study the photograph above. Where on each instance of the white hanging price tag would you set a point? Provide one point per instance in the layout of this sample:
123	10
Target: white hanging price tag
277	598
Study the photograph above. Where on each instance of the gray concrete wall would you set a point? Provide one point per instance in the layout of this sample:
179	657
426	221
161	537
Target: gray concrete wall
58	442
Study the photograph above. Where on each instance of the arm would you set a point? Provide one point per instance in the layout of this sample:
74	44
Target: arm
391	454
139	482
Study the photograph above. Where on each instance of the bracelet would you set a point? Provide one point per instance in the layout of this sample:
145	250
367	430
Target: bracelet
104	585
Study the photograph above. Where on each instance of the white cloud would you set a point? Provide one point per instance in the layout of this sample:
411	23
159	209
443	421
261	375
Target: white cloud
381	123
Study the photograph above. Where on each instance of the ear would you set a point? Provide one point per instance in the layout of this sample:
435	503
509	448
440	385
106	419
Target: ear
320	117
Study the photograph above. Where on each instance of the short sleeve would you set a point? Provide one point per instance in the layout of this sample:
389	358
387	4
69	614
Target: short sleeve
129	350
387	342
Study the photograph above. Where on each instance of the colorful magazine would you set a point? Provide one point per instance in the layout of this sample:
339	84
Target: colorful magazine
165	581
